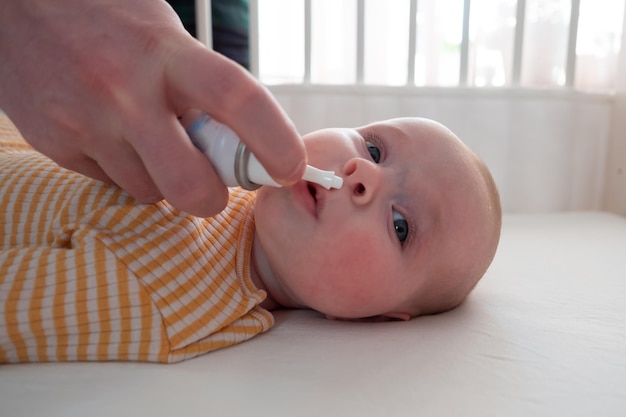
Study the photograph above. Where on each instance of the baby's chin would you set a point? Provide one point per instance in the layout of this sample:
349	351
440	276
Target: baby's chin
263	193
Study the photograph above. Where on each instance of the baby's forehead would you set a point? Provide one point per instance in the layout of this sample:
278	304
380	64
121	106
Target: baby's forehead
407	123
413	129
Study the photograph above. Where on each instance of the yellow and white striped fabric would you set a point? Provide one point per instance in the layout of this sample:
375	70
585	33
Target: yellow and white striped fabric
86	273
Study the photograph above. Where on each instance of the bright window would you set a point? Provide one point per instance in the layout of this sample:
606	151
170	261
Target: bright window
439	43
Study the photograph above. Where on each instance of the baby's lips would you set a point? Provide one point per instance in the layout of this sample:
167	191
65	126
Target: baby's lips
306	195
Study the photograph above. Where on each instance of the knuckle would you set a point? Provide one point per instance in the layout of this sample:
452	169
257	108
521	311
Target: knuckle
147	196
200	202
237	88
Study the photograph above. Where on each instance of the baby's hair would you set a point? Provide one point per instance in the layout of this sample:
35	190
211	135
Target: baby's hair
460	279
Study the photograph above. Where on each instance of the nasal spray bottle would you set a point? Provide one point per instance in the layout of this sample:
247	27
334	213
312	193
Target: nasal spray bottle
235	164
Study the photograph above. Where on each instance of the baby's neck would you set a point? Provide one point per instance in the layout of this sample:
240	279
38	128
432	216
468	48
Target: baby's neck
264	278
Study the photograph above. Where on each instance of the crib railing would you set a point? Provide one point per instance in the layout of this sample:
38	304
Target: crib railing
514	57
547	148
203	22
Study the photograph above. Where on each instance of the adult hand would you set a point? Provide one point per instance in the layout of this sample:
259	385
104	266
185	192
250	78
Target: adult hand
98	86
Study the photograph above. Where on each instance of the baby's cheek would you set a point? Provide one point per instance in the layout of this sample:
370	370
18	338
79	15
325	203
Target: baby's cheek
357	266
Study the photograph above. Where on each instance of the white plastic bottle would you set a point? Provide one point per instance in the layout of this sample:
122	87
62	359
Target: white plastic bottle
235	164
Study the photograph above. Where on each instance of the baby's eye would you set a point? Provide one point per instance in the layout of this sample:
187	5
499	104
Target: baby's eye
401	226
374	151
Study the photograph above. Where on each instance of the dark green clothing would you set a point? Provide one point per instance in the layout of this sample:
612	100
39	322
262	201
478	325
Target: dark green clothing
230	26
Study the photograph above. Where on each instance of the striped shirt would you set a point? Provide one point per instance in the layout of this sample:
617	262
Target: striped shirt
88	274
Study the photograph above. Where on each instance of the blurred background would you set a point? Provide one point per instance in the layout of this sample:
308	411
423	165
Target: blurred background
536	87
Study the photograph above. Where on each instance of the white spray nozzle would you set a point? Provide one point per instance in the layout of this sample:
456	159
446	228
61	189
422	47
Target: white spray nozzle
326	179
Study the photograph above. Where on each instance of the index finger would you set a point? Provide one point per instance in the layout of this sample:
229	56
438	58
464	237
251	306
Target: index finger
206	80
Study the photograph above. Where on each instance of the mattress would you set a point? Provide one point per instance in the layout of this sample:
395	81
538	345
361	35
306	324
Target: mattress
543	334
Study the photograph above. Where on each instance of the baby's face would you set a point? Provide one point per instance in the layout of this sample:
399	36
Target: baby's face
412	202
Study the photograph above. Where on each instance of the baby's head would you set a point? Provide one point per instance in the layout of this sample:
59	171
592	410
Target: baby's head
412	230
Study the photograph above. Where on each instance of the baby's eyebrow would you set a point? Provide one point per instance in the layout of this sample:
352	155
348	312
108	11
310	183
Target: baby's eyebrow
371	135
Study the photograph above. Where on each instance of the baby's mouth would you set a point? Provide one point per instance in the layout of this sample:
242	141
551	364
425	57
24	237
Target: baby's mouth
313	192
317	197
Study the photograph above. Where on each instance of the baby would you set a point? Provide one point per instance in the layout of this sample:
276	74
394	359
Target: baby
86	273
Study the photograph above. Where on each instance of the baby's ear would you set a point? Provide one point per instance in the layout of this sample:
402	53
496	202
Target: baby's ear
397	316
374	319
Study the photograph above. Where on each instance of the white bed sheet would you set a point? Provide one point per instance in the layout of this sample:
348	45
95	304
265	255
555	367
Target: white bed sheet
544	334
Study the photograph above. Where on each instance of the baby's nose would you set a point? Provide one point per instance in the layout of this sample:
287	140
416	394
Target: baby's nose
362	178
